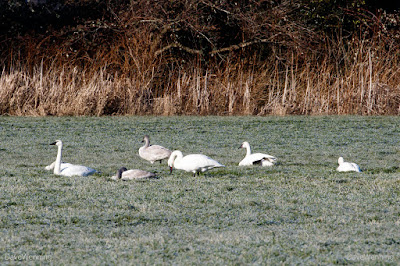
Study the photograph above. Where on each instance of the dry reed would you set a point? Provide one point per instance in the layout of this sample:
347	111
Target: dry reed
361	78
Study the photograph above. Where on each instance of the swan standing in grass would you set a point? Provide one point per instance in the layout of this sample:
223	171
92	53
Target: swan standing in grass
153	153
68	169
256	158
132	174
347	166
194	163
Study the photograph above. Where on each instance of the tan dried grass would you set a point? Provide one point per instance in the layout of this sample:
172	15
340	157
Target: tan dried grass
362	79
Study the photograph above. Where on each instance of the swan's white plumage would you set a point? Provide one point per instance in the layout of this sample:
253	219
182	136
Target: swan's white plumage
153	153
194	163
347	166
256	158
51	166
132	174
67	169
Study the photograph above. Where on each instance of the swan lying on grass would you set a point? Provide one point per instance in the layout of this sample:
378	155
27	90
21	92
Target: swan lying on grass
256	158
153	153
132	174
194	163
67	169
347	166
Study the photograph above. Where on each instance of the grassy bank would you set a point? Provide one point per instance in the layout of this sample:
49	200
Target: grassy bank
301	211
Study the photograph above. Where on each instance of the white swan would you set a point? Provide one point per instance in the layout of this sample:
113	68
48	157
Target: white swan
194	163
347	166
69	169
256	158
132	174
153	153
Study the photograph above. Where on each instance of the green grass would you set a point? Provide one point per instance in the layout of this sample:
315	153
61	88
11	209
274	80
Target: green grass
299	212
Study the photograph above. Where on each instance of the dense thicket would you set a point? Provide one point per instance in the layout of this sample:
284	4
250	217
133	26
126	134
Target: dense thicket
207	57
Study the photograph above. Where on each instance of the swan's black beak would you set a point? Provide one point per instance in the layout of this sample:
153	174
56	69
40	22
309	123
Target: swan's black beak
170	170
54	143
241	146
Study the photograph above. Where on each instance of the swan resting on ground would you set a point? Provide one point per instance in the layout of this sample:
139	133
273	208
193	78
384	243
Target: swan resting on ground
67	169
153	153
256	158
347	166
132	174
194	163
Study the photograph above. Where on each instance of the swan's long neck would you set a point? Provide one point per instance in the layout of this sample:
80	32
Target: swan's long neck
178	156
175	157
146	142
248	150
57	166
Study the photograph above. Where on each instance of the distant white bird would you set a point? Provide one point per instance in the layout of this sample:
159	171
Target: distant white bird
194	163
256	158
347	166
153	153
132	174
68	169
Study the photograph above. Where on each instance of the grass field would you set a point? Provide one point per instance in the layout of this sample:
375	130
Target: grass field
299	212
